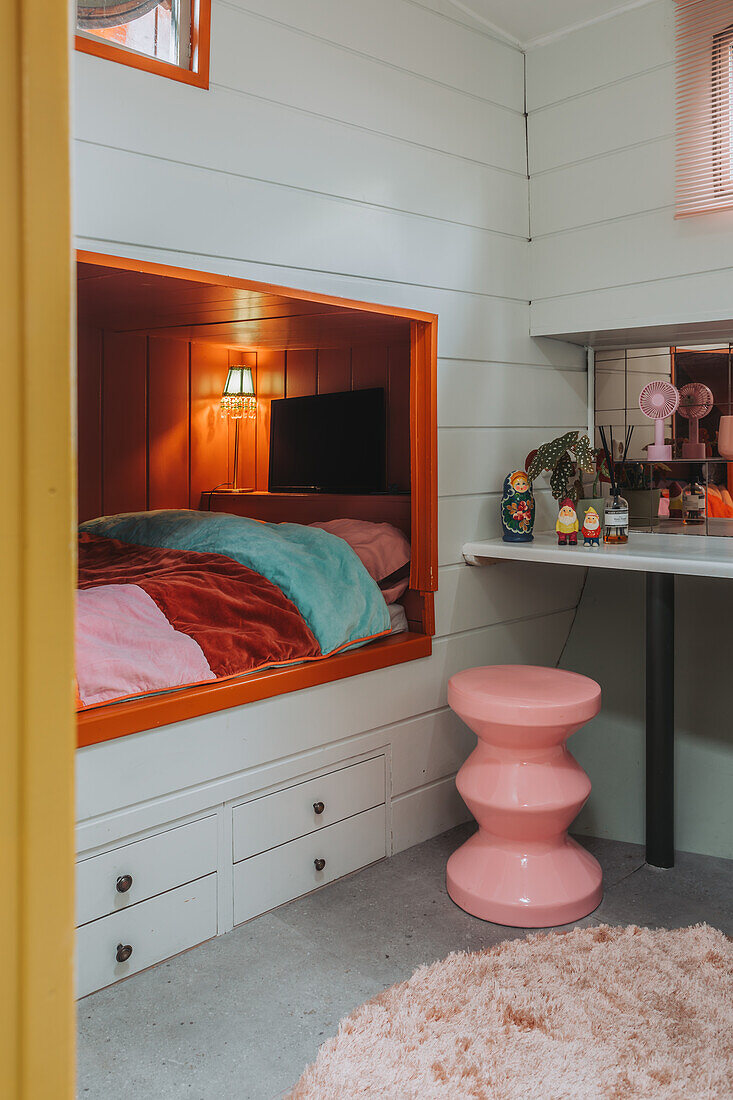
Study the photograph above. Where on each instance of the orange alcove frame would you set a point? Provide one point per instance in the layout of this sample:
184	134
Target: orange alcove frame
196	74
119	719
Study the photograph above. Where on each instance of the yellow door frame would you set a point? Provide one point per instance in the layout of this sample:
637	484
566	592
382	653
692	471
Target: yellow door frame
36	556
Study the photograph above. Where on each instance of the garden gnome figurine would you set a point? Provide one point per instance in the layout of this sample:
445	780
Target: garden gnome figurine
591	529
567	524
517	508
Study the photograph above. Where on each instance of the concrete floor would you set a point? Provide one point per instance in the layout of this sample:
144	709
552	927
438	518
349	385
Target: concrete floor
241	1016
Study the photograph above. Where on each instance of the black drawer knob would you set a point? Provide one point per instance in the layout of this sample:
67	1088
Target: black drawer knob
319	864
124	882
318	807
124	950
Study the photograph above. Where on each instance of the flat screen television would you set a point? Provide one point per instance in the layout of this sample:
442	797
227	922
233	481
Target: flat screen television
329	443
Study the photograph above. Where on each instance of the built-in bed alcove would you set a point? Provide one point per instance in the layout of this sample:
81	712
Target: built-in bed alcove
154	348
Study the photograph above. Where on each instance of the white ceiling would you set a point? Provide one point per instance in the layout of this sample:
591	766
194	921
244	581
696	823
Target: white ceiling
525	21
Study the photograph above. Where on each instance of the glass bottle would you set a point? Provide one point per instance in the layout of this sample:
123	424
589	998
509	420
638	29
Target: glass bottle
693	503
616	520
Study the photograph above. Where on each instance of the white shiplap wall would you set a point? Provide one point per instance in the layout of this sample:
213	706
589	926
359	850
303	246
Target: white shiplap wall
606	250
608	254
375	151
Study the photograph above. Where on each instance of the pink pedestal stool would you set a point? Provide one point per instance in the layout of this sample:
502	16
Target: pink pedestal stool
524	789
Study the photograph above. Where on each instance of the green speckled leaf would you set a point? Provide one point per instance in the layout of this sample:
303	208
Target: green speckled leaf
535	467
564	470
584	455
549	454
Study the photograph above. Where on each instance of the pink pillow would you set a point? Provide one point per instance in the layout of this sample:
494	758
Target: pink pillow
384	552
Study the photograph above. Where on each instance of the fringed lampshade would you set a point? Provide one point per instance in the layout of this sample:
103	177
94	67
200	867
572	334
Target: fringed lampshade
238	399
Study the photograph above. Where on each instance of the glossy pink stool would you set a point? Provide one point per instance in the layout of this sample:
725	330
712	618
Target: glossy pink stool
524	789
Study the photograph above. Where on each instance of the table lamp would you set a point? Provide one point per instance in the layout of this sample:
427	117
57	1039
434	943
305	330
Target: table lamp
237	402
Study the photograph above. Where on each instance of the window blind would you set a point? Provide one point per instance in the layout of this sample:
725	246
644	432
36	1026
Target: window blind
704	92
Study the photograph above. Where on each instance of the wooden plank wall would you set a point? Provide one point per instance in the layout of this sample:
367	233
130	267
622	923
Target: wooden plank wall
380	168
150	432
607	251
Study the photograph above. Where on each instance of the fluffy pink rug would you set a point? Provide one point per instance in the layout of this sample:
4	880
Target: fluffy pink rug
599	1012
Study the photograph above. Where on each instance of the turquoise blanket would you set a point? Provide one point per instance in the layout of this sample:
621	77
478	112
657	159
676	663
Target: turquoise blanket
319	572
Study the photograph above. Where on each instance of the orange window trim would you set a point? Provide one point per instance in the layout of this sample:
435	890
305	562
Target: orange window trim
107	722
198	73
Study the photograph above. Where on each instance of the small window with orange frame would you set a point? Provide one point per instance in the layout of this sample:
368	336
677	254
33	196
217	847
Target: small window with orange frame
167	37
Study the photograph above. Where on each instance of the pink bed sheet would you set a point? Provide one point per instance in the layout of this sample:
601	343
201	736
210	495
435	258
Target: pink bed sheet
108	666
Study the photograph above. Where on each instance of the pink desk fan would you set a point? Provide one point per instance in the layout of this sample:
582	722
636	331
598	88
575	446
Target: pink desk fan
696	401
658	400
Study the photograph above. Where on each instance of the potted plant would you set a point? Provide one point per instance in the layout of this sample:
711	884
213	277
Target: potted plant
565	459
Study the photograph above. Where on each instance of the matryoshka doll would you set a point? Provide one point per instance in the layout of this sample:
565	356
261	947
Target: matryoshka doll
517	508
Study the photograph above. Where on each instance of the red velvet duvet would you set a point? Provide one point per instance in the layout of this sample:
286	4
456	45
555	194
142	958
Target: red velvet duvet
150	619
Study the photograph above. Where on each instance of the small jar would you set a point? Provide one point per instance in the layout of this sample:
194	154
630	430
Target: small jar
693	504
616	520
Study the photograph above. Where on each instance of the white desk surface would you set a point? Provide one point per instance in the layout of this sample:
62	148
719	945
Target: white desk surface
707	556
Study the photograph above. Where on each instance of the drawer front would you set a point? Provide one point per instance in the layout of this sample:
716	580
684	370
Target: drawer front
155	930
277	818
155	865
277	876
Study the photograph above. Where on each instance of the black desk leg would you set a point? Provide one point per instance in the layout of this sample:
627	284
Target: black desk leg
660	719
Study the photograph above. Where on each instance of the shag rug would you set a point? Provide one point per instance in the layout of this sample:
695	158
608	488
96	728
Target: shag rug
618	1013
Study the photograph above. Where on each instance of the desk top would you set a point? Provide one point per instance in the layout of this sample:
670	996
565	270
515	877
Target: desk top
706	556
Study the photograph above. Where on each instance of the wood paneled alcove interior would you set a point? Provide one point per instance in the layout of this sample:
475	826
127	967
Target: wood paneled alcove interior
154	347
153	357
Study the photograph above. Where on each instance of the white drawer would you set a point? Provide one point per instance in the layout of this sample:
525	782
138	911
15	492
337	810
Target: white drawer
154	929
155	865
277	818
277	876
